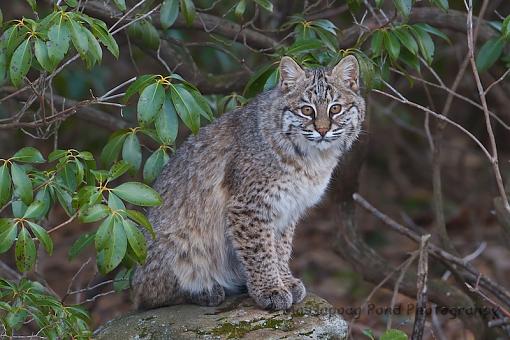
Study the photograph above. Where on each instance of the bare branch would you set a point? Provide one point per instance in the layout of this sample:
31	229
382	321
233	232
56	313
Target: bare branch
421	298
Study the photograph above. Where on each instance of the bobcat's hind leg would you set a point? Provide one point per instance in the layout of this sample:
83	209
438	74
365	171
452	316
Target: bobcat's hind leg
212	297
155	285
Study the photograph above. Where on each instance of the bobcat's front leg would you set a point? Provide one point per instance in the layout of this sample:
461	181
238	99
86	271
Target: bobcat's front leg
254	242
284	250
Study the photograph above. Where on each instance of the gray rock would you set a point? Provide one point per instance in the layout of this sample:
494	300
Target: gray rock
237	317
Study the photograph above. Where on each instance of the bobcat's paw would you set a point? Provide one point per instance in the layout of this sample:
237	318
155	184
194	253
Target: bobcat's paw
209	298
278	298
296	288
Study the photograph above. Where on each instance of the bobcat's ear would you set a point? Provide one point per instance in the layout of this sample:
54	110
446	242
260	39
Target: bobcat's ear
290	72
347	71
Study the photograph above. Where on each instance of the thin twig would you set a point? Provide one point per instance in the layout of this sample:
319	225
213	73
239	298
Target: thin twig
481	92
421	295
471	273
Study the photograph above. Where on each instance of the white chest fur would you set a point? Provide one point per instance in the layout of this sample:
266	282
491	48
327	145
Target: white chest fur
302	192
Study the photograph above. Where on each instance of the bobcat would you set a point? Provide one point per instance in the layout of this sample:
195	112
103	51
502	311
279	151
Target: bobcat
234	193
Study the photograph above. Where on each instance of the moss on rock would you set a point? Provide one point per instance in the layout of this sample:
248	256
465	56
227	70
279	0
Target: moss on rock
237	318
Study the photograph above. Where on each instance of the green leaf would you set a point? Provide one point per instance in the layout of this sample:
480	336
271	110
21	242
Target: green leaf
68	176
327	38
138	85
368	333
132	151
94	53
240	8
58	43
112	149
11	39
376	42
505	28
44	24
115	203
122	279
72	3
407	40
78	37
103	234
169	13
106	38
20	63
167	123
15	318
394	334
150	102
266	4
118	169
3	66
325	25
32	4
18	208
56	154
5	185
188	10
142	220
489	53
410	59
41	54
304	46
443	4
121	4
144	34
25	251
43	236
28	155
5	224
203	104
86	155
80	172
432	30
258	80
138	194
272	80
22	183
94	213
66	200
392	45
184	103
136	240
35	210
80	244
403	7
114	250
154	165
100	175
425	43
7	236
43	196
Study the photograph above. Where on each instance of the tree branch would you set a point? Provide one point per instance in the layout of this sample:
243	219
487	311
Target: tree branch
81	110
452	19
203	22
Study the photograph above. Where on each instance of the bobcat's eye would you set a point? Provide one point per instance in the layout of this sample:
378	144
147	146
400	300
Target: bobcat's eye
334	109
307	110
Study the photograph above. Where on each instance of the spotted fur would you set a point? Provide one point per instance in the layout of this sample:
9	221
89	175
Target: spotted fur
234	193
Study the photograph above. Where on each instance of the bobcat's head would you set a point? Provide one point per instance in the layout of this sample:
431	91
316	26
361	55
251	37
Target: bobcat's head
323	106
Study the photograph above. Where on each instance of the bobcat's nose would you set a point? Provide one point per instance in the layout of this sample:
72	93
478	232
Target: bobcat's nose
322	131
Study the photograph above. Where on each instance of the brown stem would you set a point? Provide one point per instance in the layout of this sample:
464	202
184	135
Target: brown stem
421	298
